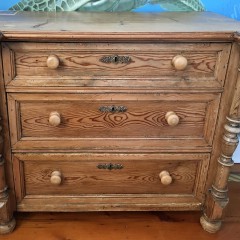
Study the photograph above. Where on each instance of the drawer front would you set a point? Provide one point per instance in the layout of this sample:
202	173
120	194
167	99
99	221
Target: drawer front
110	118
91	174
106	65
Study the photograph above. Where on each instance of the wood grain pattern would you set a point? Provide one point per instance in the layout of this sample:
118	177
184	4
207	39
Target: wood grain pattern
82	61
5	144
88	64
124	225
9	69
218	196
224	110
108	145
139	176
235	108
7	193
96	203
81	118
139	138
84	120
85	178
175	27
118	226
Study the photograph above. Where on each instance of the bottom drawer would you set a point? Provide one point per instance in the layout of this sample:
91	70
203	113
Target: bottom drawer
56	175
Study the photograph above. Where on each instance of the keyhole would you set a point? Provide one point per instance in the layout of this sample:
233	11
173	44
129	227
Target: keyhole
116	59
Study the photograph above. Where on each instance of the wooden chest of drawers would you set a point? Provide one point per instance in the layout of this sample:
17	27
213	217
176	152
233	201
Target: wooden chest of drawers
118	112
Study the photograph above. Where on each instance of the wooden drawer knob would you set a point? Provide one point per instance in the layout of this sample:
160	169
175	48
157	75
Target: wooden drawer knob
53	62
165	178
56	178
179	62
54	119
172	118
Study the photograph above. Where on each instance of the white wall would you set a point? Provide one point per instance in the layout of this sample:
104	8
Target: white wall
236	155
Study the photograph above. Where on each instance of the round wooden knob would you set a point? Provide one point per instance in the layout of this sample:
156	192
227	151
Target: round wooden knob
56	178
53	62
179	62
172	118
165	177
54	119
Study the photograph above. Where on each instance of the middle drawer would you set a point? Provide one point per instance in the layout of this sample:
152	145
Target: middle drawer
112	120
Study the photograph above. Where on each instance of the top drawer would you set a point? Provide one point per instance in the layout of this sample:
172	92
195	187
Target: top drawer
202	65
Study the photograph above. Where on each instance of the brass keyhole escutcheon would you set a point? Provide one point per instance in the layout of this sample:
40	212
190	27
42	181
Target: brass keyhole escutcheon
116	59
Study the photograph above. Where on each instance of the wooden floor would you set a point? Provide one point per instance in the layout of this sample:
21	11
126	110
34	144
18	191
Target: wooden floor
125	226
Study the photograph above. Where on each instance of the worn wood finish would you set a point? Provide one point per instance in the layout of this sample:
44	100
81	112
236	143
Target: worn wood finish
82	118
85	174
125	225
56	197
224	110
122	203
118	112
117	225
112	145
7	196
84	61
88	179
235	108
178	26
218	198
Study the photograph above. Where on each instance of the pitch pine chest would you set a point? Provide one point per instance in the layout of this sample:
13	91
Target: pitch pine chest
117	112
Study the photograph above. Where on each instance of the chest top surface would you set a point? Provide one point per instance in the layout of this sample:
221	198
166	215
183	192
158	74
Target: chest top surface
75	26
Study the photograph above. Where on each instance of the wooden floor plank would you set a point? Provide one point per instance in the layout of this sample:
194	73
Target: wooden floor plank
125	225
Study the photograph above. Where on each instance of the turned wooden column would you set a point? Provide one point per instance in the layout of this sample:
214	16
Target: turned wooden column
217	198
7	222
